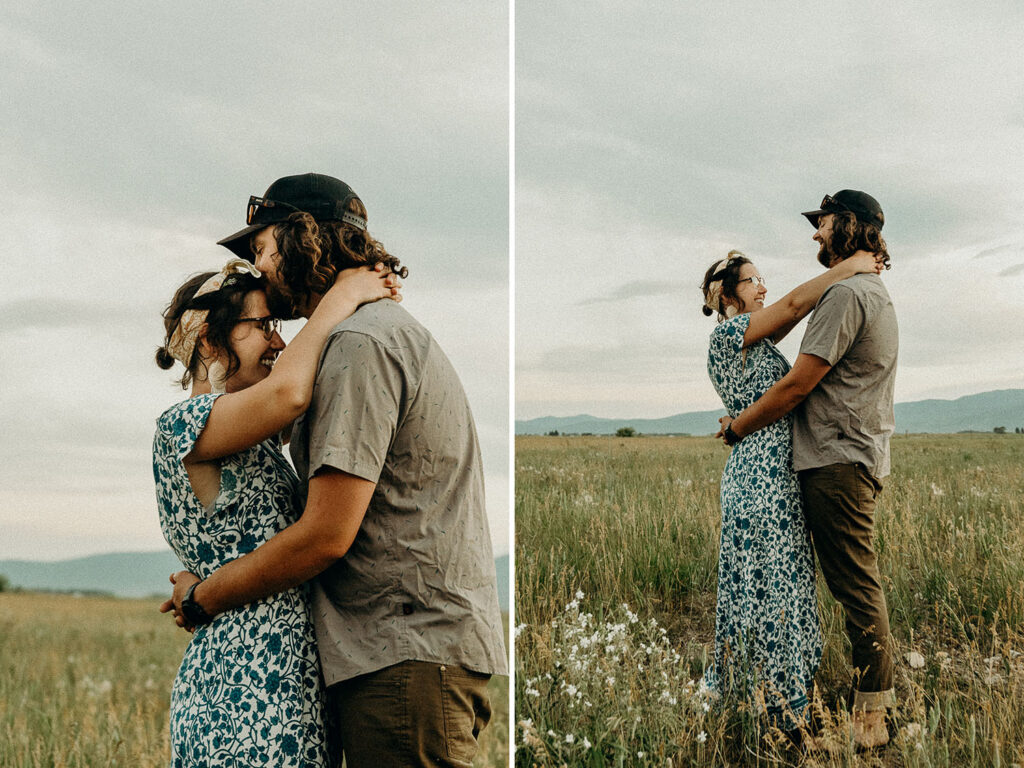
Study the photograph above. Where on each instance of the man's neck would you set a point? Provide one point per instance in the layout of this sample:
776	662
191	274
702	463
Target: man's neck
837	260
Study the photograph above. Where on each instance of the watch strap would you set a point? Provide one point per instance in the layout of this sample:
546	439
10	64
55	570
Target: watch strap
193	612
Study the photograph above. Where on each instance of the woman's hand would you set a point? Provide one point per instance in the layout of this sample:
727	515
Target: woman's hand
862	263
181	580
364	284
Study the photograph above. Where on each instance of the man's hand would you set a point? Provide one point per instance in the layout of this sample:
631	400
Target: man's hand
181	580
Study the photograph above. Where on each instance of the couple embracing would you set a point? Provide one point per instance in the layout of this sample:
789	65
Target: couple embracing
810	448
348	605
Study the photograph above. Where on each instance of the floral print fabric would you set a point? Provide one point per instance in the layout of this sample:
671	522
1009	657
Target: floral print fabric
249	690
767	637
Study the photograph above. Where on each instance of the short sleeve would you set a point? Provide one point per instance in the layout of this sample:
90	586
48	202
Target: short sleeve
356	404
727	341
181	426
835	325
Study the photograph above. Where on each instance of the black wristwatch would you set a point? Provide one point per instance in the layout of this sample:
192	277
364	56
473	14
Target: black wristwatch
192	611
731	438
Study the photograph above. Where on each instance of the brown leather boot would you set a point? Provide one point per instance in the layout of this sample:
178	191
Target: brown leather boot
869	728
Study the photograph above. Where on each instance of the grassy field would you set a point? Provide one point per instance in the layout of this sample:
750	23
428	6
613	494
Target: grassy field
616	567
85	681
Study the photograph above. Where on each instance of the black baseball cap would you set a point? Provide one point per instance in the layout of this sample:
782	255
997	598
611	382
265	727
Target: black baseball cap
860	204
325	198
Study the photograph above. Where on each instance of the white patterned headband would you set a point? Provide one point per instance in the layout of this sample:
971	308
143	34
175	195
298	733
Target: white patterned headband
713	294
186	332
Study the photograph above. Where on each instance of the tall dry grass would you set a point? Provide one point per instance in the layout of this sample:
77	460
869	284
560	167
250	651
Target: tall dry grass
636	522
86	681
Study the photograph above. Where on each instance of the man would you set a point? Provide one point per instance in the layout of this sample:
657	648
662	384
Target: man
405	606
843	383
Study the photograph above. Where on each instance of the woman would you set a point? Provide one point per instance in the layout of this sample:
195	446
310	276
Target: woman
248	691
767	639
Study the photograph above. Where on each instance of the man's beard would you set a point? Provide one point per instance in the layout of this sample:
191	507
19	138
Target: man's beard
826	257
280	303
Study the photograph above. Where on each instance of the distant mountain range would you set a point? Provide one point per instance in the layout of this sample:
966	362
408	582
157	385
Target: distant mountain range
133	574
978	413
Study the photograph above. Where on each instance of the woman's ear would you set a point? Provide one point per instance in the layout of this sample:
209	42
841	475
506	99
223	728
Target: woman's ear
205	348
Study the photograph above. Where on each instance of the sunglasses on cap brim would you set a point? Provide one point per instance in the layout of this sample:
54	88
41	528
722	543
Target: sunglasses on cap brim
829	202
256	204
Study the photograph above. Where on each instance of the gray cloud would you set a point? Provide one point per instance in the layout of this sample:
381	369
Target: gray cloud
132	140
686	131
1016	269
635	289
53	313
1000	250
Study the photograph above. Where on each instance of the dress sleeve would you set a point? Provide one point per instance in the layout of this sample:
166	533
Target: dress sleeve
835	325
356	405
178	430
181	426
727	341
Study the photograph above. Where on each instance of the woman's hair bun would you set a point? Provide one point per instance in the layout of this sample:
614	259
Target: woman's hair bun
163	358
706	310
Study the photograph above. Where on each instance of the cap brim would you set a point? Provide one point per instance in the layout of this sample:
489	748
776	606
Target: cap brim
238	243
813	216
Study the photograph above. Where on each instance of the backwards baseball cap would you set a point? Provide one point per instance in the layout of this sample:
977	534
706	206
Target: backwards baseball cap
860	204
325	198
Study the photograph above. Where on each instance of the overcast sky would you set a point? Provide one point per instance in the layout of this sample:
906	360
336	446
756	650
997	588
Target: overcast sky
653	138
132	137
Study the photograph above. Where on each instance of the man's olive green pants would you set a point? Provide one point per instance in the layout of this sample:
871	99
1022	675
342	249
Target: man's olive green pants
415	713
839	504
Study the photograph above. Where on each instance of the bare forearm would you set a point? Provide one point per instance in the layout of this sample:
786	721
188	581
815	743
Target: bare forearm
782	398
801	300
295	370
295	555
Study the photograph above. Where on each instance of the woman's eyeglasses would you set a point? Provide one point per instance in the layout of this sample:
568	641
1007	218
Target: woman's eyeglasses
755	280
269	325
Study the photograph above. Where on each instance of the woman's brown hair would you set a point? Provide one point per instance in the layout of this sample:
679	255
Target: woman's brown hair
730	277
224	308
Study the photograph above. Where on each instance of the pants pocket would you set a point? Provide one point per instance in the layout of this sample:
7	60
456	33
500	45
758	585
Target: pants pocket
466	709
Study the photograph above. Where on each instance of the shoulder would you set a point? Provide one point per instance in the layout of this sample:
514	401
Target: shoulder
385	322
851	291
734	326
865	292
860	286
175	419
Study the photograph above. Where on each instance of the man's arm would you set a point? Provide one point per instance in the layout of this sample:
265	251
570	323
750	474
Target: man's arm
785	395
334	511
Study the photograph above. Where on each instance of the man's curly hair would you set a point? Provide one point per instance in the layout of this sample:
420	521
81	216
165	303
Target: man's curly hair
312	253
850	235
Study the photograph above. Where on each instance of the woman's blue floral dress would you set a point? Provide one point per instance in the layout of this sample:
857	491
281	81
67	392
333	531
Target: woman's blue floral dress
249	690
767	637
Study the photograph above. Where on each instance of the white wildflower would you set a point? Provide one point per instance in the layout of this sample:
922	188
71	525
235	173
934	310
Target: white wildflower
570	738
913	731
702	737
